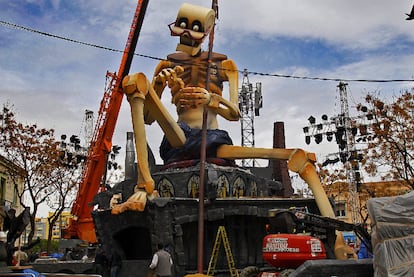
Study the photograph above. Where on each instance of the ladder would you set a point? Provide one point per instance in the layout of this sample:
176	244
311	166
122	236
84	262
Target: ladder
222	236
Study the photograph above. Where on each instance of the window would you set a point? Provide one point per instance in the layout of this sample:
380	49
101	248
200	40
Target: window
2	189
340	209
15	196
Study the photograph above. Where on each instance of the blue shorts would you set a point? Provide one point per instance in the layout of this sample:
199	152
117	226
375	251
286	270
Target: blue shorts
192	147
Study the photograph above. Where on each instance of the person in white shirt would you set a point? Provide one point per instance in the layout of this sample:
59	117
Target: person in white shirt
161	262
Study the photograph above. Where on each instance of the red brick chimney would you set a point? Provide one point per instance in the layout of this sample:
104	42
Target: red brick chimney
280	169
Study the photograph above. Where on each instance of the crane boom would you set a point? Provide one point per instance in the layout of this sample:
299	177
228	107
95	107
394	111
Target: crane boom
82	225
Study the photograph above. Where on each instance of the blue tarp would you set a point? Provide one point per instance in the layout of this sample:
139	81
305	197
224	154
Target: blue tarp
35	273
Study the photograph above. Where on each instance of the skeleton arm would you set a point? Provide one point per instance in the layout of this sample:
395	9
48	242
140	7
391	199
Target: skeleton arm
230	69
228	108
157	83
164	75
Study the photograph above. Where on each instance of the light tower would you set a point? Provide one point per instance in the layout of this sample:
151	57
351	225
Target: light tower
250	102
347	152
344	129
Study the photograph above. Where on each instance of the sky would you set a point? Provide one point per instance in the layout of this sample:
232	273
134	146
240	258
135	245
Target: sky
51	82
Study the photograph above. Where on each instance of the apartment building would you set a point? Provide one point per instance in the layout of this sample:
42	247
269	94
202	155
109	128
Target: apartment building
10	174
340	195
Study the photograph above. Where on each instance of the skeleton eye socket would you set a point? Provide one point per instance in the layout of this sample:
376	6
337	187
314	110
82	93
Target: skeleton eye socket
197	27
182	23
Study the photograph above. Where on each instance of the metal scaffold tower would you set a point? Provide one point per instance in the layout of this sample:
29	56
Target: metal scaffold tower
250	102
344	129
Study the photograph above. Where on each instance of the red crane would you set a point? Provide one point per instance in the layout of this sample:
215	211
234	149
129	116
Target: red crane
81	226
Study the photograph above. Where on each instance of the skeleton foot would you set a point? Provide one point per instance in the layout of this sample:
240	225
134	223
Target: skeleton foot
345	253
136	202
342	250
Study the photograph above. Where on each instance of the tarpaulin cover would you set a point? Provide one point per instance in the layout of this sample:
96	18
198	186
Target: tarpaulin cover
393	234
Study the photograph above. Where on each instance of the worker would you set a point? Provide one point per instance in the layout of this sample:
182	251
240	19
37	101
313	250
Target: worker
68	255
363	252
20	257
116	263
101	262
161	262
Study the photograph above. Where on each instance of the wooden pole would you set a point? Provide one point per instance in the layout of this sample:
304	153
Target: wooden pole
200	242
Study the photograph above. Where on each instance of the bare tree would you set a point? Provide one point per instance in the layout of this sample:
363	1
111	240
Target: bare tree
37	152
66	175
390	137
64	194
389	145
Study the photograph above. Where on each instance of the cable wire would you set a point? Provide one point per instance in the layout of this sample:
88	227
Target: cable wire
23	28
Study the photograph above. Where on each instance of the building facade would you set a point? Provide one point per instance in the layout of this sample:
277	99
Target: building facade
60	225
11	182
42	226
340	196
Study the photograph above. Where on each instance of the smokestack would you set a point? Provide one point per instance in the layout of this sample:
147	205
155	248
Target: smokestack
130	173
280	169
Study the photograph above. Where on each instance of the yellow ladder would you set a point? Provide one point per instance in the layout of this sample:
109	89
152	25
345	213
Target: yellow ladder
222	236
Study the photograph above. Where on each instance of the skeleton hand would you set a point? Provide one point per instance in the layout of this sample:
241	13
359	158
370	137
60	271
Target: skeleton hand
169	76
224	107
190	98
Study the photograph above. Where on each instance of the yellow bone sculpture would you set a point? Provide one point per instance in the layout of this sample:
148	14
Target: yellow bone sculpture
185	74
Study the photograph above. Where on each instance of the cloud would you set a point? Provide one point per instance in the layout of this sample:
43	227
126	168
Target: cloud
52	82
366	24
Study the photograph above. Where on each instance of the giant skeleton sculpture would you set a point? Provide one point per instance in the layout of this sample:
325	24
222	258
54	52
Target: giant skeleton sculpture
185	73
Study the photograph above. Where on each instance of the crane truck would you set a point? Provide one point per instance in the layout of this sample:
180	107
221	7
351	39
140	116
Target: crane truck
81	230
82	227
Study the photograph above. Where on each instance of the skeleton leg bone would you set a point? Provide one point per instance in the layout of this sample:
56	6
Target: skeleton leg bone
139	93
136	91
301	162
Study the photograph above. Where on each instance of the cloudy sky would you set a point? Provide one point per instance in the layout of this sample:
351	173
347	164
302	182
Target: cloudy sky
52	81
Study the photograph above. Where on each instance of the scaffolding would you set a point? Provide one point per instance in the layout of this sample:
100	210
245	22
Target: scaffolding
344	129
346	152
250	102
